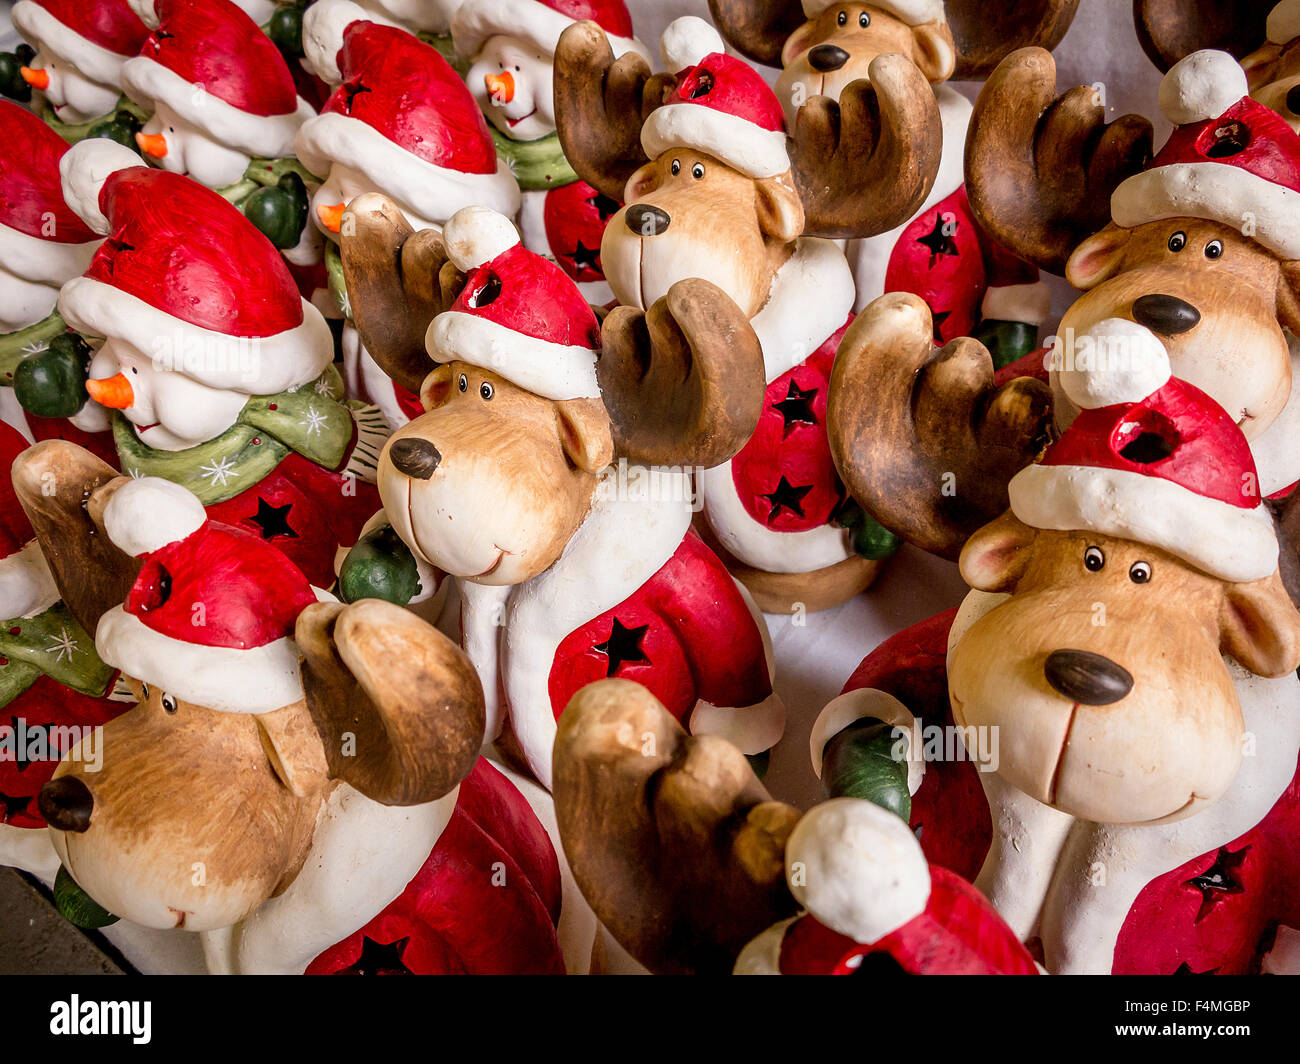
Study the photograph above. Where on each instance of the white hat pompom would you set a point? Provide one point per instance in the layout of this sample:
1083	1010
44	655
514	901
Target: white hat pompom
323	27
1201	87
857	868
83	170
1283	24
475	235
1114	361
686	41
144	11
148	513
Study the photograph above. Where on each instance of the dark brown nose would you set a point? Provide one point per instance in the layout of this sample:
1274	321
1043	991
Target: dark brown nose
645	220
827	57
414	457
1167	315
1087	678
66	804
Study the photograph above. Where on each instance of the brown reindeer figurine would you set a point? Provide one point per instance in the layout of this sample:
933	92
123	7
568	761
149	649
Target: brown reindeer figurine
716	189
550	475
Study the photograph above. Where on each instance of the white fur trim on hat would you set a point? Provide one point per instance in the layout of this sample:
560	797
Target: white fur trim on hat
863	703
686	41
149	83
424	16
259	11
323	26
738	143
1225	541
43	261
913	12
1217	191
478	20
83	170
224	679
26	585
857	868
1114	361
146	12
1030	303
553	371
432	192
750	729
90	60
475	235
1201	86
253	365
1283	24
148	513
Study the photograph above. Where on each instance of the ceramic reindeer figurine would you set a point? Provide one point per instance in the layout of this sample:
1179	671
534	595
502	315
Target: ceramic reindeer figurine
219	373
299	780
510	46
716	189
549	476
687	860
1123	673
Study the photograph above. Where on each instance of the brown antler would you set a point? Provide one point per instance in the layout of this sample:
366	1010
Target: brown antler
682	382
922	437
1172	29
600	106
398	705
1040	169
398	280
865	164
985	33
672	839
757	28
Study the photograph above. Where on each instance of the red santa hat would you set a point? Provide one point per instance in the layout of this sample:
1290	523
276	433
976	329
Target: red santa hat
913	12
1283	25
400	115
540	22
186	278
721	105
26	585
41	238
210	617
519	315
94	38
1152	459
213	66
1230	159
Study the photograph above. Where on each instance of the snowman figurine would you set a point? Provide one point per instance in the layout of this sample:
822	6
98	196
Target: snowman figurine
221	374
399	122
510	46
76	69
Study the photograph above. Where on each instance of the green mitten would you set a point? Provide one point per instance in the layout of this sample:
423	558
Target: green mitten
279	212
380	566
78	907
1007	341
868	759
53	383
285	30
870	538
12	84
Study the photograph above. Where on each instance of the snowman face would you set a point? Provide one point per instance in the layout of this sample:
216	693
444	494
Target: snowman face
23	302
170	411
341	187
182	148
512	82
74	97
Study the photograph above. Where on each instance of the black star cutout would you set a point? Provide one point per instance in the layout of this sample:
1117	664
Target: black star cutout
605	206
623	646
20	755
273	520
379	958
937	318
787	497
796	407
586	258
10	807
1185	969
939	240
352	89
1219	880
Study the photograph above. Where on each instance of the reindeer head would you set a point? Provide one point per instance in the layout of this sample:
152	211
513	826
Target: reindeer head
714	188
203	799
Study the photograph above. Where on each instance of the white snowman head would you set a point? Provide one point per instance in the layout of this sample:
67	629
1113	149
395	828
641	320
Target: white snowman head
182	147
74	97
513	82
24	302
341	186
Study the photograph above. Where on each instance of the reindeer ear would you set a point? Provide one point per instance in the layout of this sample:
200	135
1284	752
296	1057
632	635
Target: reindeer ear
995	557
1097	257
641	183
1288	295
293	746
436	387
798	42
584	433
1259	626
780	213
1259	61
933	51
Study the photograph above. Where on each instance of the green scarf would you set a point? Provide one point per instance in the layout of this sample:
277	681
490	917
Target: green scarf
536	164
338	286
74	134
34	339
311	420
52	644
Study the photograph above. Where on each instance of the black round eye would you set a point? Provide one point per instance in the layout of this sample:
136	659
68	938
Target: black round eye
842	19
697	171
516	70
1139	572
168	704
864	20
463	382
1214	249
134	370
485	390
1178	241
676	168
1093	559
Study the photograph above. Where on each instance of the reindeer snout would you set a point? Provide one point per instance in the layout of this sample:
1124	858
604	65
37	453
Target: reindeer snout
645	220
1166	315
66	804
827	57
1087	678
415	458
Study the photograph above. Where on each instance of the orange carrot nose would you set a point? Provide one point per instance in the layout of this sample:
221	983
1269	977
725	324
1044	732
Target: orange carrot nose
37	79
152	144
112	392
331	215
500	86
